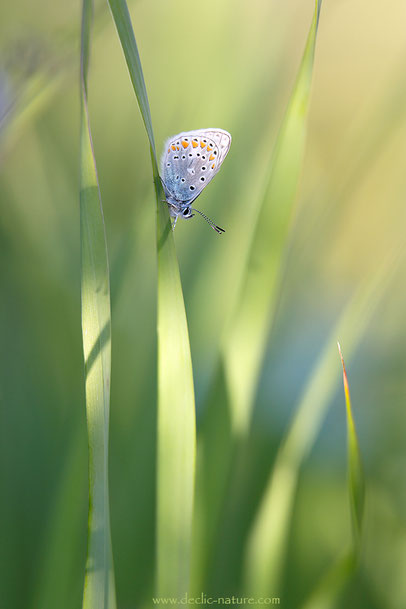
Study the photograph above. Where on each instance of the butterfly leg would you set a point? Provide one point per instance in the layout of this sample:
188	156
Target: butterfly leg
174	223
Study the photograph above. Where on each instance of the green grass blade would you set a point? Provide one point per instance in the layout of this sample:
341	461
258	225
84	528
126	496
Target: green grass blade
96	323
268	539
245	338
356	482
176	426
245	344
122	21
176	431
327	591
176	409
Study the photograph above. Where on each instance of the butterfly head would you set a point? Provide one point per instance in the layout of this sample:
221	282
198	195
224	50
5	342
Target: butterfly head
186	213
177	208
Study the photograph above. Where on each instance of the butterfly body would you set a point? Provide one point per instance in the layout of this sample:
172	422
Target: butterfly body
190	161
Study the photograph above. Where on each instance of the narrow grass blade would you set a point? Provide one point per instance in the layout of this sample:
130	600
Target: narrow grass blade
268	539
99	580
122	21
176	427
356	482
245	338
245	344
327	591
176	408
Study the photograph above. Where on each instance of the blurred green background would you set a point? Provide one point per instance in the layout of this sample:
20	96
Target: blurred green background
218	64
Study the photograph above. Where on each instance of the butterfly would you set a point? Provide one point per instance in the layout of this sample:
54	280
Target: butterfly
190	161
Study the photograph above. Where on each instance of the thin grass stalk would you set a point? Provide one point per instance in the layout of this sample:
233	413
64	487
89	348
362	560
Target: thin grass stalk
356	480
176	406
96	323
266	549
328	589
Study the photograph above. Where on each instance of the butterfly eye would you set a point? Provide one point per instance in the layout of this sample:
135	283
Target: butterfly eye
186	211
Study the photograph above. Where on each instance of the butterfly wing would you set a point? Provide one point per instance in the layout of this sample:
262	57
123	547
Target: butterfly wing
191	160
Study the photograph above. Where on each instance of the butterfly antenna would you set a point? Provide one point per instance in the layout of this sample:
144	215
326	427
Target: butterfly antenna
214	226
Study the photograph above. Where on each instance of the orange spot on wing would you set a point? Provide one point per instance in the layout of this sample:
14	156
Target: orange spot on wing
202	144
213	165
211	157
173	147
209	148
195	144
185	144
177	148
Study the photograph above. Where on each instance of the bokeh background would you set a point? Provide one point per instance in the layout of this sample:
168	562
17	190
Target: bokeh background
218	64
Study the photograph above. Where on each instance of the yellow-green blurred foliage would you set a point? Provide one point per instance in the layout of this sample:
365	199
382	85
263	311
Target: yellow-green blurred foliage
214	64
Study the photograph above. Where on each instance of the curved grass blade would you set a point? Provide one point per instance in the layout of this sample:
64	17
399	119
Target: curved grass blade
122	21
327	591
356	482
245	342
268	539
176	408
96	323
